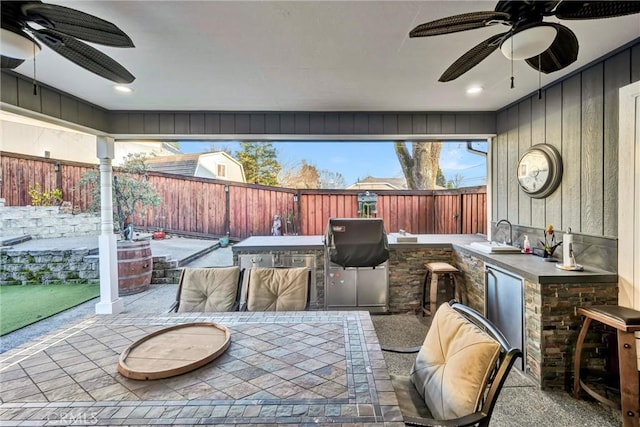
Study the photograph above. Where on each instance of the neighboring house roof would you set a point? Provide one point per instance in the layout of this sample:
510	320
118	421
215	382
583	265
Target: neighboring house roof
180	164
191	164
374	183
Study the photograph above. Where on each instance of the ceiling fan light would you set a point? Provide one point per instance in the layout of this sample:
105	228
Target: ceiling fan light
18	46
529	42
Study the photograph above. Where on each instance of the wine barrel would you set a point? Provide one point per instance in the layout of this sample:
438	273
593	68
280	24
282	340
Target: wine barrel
135	265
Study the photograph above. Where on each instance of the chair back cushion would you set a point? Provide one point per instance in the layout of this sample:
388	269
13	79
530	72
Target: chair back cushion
454	365
278	289
209	289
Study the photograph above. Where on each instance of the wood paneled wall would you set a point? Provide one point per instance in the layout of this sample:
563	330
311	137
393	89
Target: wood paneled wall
579	117
301	123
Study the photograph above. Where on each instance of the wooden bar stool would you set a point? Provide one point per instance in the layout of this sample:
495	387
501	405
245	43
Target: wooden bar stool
435	271
626	321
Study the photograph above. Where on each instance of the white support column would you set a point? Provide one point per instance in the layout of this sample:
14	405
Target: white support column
110	302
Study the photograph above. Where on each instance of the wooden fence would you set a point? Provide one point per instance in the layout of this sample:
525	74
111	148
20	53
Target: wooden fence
206	207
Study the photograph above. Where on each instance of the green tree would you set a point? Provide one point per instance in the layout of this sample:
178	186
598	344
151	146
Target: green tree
420	168
260	162
440	179
132	191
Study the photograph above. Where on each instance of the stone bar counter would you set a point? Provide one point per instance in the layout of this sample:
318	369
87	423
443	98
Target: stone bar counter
551	295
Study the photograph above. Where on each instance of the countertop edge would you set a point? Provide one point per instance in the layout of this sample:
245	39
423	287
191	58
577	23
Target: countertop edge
592	275
457	243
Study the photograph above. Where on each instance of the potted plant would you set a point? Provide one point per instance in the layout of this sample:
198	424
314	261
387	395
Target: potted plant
549	245
133	194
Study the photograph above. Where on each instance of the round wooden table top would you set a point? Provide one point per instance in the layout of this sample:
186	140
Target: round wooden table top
174	351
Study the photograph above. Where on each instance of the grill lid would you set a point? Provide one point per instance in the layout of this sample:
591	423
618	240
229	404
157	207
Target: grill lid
357	242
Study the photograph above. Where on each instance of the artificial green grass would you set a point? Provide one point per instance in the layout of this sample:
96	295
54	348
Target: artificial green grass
23	305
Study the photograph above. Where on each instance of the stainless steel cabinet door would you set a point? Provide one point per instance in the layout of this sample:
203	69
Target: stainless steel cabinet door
297	261
256	260
372	286
341	287
505	306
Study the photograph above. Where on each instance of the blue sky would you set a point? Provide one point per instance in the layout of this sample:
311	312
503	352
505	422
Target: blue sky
360	159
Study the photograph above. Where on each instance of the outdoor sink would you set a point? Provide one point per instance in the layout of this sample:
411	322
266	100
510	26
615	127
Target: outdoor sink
494	248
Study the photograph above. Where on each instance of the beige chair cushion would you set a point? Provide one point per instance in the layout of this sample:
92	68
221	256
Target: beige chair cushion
208	289
278	289
454	364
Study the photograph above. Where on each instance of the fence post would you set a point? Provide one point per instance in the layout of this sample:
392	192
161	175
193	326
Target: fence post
459	214
298	222
227	210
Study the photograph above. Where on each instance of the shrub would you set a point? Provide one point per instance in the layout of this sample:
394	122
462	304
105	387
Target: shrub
132	192
44	198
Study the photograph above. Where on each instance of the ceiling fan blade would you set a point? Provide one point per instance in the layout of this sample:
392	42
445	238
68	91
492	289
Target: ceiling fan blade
463	22
472	58
84	55
562	52
77	24
519	9
10	63
596	9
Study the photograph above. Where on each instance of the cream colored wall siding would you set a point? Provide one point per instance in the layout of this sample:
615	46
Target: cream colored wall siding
578	116
61	144
122	148
234	172
35	140
208	167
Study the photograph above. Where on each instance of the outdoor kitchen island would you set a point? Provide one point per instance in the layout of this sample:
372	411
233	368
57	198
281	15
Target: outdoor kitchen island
550	296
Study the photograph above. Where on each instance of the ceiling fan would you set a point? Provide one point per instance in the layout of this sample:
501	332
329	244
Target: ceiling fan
546	46
26	24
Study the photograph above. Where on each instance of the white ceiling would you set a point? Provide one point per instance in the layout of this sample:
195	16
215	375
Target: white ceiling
305	56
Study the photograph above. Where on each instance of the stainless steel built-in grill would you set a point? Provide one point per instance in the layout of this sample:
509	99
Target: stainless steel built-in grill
356	265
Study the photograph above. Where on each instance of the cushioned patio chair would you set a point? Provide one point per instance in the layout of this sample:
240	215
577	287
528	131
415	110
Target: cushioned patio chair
278	289
208	290
458	373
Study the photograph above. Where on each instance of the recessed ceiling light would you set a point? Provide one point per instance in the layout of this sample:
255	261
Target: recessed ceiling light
123	89
474	90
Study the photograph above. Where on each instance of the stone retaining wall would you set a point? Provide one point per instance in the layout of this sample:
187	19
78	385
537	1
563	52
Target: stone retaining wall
41	222
165	271
46	267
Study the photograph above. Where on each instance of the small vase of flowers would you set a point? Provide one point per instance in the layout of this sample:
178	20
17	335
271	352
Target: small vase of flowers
549	245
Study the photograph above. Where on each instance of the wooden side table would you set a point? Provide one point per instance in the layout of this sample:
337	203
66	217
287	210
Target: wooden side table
626	321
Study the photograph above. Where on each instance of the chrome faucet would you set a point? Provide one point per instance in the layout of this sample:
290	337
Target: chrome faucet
510	241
